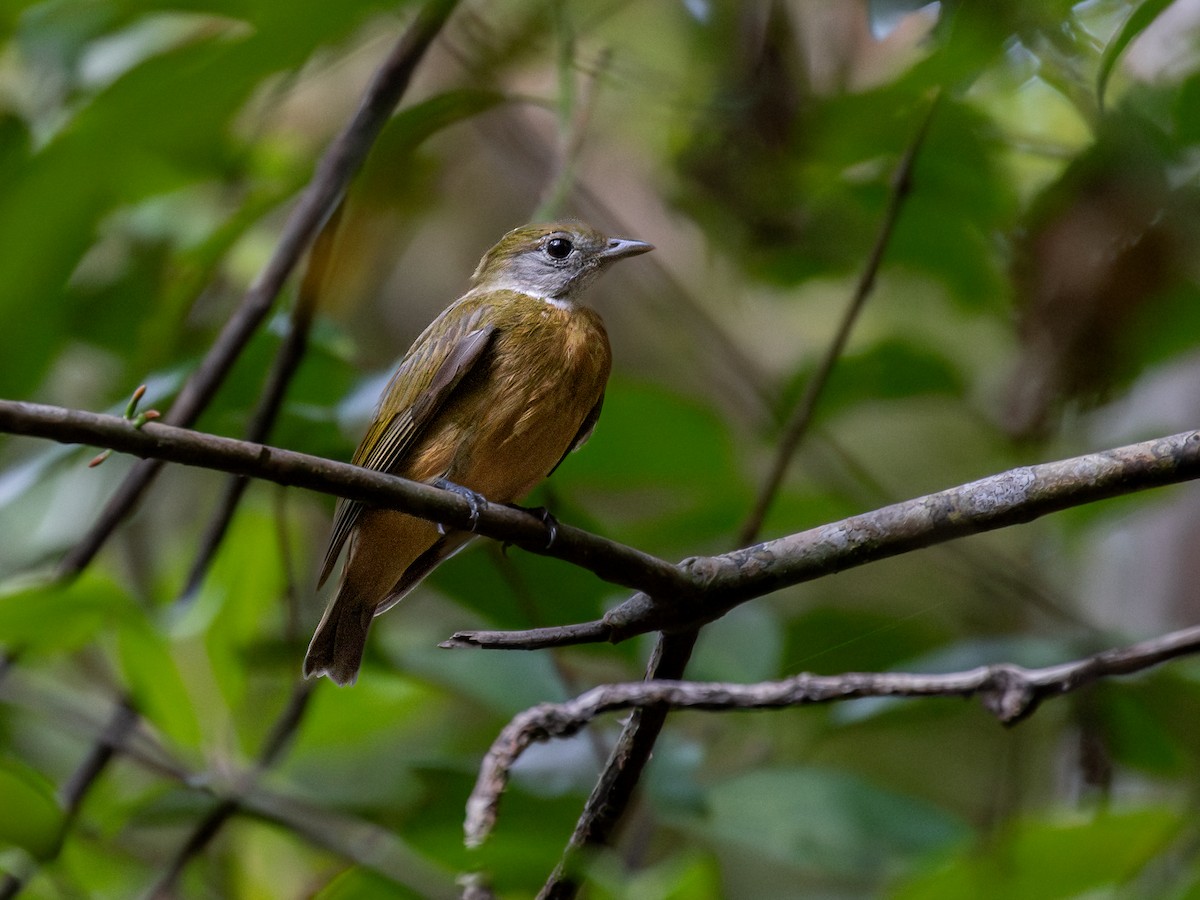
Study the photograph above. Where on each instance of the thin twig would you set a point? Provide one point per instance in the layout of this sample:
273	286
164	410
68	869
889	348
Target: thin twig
293	627
1010	692
343	158
802	415
575	113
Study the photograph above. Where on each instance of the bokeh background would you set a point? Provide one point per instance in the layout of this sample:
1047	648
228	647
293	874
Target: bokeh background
1037	299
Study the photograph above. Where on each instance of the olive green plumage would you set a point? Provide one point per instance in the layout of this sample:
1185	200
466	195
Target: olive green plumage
491	396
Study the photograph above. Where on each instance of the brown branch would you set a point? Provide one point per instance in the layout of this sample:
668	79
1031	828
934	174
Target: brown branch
343	158
1009	498
1009	692
611	561
696	591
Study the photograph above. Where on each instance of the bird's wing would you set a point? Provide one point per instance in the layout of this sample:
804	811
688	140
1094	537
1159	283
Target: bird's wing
390	438
581	436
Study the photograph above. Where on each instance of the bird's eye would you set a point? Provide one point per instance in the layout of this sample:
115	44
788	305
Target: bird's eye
559	248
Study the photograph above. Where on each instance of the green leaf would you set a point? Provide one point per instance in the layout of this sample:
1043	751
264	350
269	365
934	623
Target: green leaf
825	821
659	471
1139	20
414	124
154	682
30	816
1186	110
1140	724
693	877
893	368
1052	858
834	639
48	616
743	646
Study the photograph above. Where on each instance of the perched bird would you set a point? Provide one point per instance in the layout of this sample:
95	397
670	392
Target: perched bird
490	398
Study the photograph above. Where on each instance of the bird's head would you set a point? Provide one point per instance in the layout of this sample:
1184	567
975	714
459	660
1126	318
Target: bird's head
555	261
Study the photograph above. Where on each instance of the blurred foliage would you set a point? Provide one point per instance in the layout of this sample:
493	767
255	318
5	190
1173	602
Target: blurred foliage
1038	299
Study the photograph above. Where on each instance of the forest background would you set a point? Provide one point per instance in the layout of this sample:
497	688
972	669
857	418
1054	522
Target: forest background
900	247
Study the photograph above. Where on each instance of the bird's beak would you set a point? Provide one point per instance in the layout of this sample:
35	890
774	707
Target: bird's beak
619	248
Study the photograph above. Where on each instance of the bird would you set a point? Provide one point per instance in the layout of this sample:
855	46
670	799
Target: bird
489	400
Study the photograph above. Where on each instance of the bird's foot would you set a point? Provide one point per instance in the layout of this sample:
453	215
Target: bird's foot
545	517
475	501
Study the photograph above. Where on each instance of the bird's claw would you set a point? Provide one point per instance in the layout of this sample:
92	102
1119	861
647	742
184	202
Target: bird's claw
547	519
476	502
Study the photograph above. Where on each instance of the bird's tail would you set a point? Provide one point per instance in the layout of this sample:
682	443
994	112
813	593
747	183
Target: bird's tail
337	646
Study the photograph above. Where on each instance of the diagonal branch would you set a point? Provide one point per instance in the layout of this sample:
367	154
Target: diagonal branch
802	415
343	158
1009	498
283	369
357	840
1009	692
611	561
122	722
675	598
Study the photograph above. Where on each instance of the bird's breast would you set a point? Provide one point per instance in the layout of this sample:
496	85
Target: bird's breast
519	411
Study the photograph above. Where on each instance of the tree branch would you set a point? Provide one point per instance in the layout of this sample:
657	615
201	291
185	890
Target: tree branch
334	171
1009	498
1009	692
611	561
699	589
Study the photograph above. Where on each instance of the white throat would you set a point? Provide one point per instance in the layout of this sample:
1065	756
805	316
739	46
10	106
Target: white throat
506	284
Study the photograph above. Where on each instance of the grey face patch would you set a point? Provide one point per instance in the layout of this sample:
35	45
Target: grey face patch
554	262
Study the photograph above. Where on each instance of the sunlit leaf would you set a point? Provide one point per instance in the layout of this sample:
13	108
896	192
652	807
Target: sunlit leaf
47	616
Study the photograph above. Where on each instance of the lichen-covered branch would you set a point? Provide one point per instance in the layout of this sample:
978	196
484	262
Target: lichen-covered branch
675	597
1009	692
1009	498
